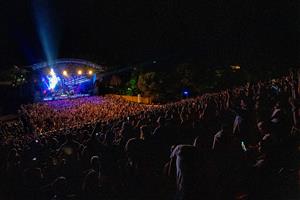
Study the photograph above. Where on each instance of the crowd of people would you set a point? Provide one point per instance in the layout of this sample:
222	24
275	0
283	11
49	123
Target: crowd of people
241	143
63	114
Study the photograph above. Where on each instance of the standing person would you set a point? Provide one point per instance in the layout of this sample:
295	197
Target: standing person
184	164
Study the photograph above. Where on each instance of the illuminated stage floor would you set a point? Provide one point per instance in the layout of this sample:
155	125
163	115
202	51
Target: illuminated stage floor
65	97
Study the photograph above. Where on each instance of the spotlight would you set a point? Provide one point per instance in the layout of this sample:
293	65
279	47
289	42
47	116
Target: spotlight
90	72
79	72
65	73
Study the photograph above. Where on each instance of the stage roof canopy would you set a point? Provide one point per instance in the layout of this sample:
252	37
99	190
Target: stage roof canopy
66	61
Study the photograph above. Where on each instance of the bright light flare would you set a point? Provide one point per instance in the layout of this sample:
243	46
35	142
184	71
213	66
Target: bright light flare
79	72
90	72
52	73
53	79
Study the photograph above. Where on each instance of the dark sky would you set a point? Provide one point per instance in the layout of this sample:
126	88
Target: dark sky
121	32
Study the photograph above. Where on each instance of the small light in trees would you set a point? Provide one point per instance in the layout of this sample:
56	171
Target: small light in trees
235	67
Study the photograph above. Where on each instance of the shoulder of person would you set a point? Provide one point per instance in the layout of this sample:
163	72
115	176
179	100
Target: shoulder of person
179	148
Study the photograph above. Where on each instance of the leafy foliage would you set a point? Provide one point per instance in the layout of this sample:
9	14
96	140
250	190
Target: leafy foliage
148	83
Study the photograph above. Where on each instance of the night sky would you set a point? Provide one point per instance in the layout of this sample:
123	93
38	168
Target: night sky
122	32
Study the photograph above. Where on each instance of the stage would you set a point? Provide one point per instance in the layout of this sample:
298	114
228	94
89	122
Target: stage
64	79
